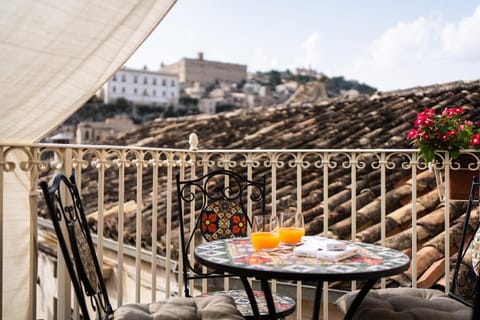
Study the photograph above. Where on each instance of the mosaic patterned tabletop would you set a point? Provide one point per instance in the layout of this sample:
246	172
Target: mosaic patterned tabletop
238	254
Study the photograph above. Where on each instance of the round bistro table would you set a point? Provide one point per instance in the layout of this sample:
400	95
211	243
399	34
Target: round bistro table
237	256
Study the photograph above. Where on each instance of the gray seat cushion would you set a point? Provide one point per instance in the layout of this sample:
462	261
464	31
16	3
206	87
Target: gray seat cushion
406	304
202	308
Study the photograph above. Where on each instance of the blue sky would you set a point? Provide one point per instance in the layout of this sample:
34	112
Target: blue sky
387	44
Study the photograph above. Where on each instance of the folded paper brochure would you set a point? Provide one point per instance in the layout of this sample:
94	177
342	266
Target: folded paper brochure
326	249
324	243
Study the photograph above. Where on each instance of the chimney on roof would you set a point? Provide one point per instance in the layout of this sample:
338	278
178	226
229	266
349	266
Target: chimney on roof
200	56
145	67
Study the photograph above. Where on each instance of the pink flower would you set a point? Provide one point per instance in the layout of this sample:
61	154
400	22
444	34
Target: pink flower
419	121
429	113
475	141
425	118
449	134
424	121
425	136
452	133
451	112
412	134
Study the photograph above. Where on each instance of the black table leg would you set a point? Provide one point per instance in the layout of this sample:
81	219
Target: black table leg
359	298
251	297
269	298
318	300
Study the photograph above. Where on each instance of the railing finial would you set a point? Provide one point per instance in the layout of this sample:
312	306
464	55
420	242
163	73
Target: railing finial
193	141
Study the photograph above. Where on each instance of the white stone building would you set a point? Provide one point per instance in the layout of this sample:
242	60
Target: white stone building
142	87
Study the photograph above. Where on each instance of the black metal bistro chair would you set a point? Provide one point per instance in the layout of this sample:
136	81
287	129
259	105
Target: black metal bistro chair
220	198
68	217
414	303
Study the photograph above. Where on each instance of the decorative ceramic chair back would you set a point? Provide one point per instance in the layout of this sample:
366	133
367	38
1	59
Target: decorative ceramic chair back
66	212
220	200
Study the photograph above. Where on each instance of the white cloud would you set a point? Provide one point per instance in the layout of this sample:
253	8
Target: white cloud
462	40
215	54
406	43
262	59
311	52
421	52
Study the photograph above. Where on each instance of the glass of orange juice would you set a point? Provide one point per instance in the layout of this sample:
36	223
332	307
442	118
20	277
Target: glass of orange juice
292	228
265	234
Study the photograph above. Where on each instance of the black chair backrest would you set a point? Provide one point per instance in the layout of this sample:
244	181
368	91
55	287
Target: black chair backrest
66	212
464	281
220	199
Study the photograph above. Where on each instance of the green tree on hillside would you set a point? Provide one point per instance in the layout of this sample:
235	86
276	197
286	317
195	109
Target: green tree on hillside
336	84
274	78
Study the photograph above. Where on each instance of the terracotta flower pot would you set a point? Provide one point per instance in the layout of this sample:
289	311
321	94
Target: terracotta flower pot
461	180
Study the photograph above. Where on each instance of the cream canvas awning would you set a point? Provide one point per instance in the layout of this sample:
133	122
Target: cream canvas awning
54	55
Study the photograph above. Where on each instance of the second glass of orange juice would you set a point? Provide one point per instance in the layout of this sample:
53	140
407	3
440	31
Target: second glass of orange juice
291	228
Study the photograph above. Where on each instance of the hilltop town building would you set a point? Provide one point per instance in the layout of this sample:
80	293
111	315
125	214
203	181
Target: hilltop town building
142	87
206	72
93	132
309	72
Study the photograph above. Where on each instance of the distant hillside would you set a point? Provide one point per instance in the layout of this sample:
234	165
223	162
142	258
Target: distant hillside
336	85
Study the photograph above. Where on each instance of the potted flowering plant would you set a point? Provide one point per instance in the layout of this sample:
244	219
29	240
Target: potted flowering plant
449	132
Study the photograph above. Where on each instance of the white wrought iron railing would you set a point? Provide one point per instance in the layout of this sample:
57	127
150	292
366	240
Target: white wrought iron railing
111	176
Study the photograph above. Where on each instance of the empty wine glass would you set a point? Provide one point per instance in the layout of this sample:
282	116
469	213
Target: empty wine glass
265	232
292	228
